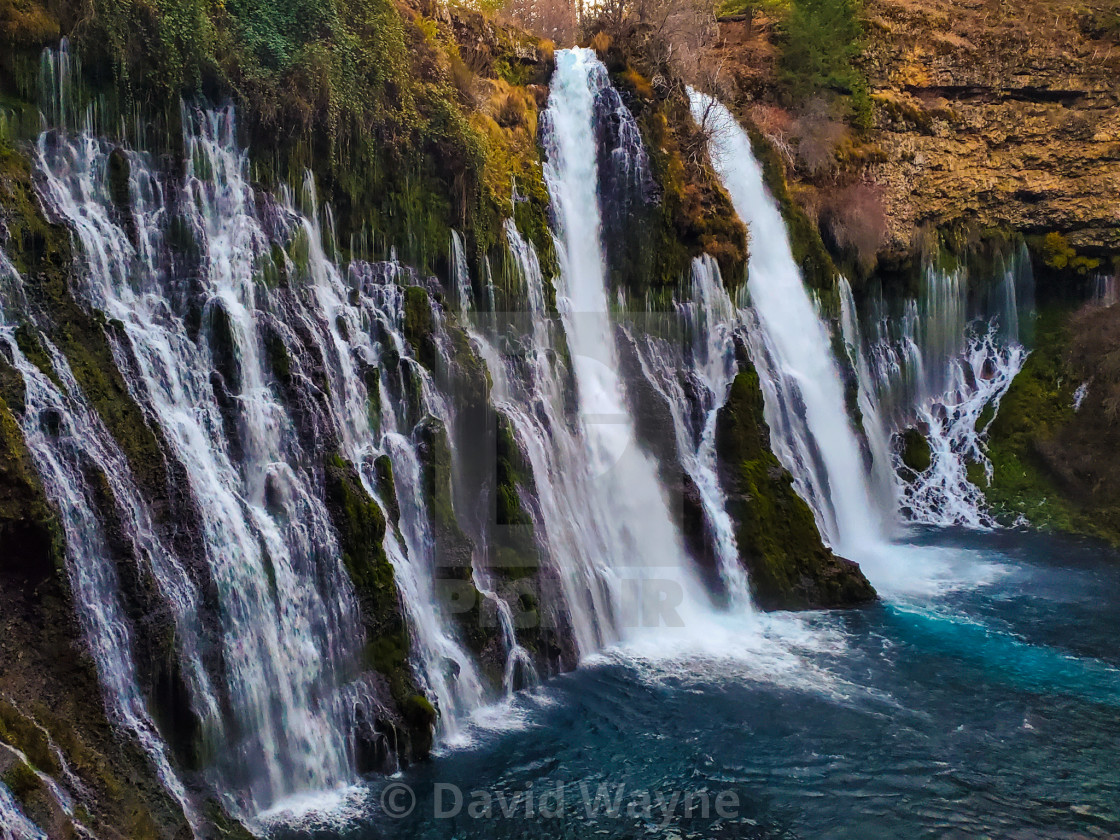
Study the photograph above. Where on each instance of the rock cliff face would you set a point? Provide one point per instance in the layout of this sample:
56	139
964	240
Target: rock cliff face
997	115
993	116
982	116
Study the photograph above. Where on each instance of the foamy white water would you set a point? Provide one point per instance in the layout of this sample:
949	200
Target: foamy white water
941	366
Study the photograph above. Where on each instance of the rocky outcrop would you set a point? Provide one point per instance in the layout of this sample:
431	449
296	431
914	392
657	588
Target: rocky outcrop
790	568
981	118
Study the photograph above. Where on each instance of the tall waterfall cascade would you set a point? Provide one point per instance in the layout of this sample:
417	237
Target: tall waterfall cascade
790	346
941	367
643	549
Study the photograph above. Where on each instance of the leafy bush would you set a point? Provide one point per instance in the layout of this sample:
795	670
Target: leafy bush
1059	255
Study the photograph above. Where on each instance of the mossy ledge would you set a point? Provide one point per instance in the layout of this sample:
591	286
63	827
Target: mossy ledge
789	566
1056	465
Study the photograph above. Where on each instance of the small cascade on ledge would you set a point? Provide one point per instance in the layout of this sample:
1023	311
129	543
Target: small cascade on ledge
937	367
519	670
692	369
14	824
790	346
460	271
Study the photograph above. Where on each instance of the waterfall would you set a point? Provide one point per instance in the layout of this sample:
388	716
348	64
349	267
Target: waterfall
884	479
694	380
528	388
72	451
363	336
940	364
253	364
461	272
519	668
944	370
289	621
262	364
790	345
645	560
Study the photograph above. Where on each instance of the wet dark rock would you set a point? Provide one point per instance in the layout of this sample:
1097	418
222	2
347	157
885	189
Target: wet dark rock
915	450
118	172
50	421
789	566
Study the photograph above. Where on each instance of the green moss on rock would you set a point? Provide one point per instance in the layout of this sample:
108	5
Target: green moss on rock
419	326
361	525
915	451
1052	464
789	566
386	485
17	730
1039	401
29	527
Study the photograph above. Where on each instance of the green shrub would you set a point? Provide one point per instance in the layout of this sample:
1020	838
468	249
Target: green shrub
820	40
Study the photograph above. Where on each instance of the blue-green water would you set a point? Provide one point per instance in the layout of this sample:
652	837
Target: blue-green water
988	709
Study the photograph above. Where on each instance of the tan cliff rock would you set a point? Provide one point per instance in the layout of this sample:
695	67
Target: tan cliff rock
1006	115
985	114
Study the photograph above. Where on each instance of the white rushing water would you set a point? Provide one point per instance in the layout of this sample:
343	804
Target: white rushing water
259	360
693	375
284	632
940	364
351	336
14	824
528	388
645	556
853	496
791	347
205	350
519	669
67	438
461	272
